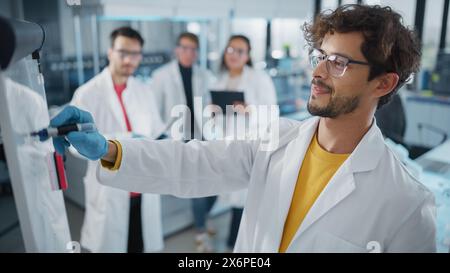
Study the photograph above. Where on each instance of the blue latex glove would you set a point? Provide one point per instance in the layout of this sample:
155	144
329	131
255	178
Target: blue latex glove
89	144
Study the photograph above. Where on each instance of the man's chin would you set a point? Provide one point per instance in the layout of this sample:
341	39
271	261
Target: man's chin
313	108
316	105
127	73
320	111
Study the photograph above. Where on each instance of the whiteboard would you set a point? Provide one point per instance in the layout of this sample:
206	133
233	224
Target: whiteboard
23	109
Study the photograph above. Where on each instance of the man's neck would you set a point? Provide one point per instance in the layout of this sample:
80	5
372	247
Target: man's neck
118	79
185	66
341	135
236	72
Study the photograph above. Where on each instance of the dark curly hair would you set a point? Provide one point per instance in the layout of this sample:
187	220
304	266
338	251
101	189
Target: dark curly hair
388	45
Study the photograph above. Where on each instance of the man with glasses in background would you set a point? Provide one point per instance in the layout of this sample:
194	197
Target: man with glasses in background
183	82
122	106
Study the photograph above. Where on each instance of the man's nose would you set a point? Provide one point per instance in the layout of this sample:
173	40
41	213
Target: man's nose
128	60
321	70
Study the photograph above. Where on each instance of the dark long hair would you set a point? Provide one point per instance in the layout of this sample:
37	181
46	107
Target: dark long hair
223	66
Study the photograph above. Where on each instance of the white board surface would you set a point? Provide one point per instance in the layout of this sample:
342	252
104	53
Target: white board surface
23	109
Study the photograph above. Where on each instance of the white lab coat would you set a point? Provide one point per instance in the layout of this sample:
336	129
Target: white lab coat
257	86
403	155
371	198
167	84
258	90
105	227
45	227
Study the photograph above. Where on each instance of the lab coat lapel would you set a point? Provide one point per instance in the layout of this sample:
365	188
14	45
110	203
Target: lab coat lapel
221	84
131	101
178	82
112	99
181	96
197	93
293	157
338	188
245	80
365	157
245	86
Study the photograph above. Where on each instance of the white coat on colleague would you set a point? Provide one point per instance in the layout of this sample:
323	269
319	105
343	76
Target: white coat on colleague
256	84
372	199
258	89
180	86
169	91
105	227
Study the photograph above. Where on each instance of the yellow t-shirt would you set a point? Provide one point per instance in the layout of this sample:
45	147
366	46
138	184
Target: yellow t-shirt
317	169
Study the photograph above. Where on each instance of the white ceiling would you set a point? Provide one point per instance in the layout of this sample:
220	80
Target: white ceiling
208	8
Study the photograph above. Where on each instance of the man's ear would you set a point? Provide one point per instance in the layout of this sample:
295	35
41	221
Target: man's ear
385	84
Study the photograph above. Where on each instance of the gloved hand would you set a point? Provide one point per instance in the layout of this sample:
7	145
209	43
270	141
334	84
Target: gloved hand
89	144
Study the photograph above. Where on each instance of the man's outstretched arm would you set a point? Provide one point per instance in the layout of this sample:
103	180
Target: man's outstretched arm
191	169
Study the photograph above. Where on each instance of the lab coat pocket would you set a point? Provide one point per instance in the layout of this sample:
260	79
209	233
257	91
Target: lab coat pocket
327	242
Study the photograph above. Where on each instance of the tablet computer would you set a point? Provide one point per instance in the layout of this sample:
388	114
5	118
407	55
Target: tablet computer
222	98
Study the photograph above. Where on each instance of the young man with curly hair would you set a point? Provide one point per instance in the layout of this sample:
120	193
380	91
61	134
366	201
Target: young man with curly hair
331	184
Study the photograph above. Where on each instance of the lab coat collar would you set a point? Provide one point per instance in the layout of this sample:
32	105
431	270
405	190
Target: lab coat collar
107	77
111	96
196	92
365	157
295	152
177	80
368	152
225	76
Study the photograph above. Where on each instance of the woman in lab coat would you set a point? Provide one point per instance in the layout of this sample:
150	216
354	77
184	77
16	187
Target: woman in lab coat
238	74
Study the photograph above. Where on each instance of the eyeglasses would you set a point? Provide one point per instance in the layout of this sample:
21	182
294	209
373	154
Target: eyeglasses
240	52
188	48
336	64
134	55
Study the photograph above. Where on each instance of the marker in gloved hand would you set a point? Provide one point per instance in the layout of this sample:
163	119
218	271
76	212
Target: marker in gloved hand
63	130
58	179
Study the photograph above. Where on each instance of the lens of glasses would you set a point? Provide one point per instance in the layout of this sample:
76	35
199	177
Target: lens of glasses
314	61
132	55
188	48
336	66
238	51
